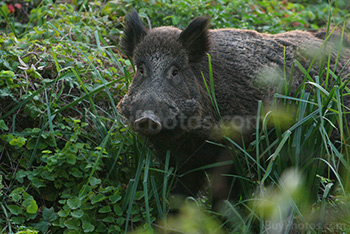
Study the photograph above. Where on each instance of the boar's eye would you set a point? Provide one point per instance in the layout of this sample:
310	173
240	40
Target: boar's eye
174	72
141	69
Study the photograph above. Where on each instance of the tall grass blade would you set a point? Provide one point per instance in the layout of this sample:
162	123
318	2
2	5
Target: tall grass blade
211	91
145	189
116	157
135	183
50	118
336	175
165	180
257	139
156	196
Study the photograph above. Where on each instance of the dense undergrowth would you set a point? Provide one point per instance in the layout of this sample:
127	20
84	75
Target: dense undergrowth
69	165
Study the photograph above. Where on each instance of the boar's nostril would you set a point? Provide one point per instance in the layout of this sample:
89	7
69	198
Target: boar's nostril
147	126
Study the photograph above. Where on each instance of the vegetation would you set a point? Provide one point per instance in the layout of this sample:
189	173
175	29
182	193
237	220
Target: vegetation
69	165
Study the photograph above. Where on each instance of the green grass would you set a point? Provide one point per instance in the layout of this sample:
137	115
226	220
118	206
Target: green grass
69	165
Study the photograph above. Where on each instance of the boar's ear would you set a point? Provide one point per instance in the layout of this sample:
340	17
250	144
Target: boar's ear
195	38
134	31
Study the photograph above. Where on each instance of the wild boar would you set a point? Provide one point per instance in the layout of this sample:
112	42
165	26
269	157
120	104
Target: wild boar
168	102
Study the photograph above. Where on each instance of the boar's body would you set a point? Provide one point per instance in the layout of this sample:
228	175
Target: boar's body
167	97
248	66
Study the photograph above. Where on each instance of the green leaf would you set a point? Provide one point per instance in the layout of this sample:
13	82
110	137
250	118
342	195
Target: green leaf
120	220
71	159
49	214
77	213
115	198
18	220
27	199
74	203
72	224
84	191
76	173
5	92
14	209
63	213
16	194
115	228
3	125
94	181
42	226
20	174
117	210
105	209
20	141
98	198
136	218
37	183
4	10
33	207
109	219
87	226
8	75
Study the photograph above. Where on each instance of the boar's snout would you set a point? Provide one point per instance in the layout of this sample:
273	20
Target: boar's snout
148	124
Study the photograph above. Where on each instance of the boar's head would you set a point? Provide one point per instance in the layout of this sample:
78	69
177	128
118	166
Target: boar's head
167	94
